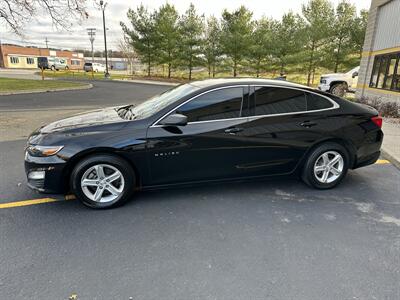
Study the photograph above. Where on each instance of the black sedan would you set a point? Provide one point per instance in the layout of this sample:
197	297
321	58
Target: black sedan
204	131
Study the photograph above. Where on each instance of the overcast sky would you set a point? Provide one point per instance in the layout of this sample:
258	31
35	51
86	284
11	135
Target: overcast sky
37	30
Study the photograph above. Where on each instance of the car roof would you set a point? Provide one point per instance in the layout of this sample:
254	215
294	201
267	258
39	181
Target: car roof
247	81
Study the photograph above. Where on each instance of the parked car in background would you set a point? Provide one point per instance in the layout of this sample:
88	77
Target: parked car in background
204	131
96	67
52	63
339	83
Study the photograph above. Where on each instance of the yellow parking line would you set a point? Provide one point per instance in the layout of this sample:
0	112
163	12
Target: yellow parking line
32	202
382	162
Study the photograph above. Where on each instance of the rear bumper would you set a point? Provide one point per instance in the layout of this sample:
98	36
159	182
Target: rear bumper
370	151
368	160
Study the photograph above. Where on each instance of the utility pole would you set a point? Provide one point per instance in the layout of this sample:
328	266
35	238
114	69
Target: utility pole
103	7
47	41
91	32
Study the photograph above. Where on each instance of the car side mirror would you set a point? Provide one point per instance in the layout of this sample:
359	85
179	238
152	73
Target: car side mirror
355	74
174	120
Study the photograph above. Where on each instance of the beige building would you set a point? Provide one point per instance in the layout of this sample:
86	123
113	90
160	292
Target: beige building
19	57
379	75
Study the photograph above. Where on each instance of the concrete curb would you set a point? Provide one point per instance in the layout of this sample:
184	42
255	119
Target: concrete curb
83	87
153	82
391	158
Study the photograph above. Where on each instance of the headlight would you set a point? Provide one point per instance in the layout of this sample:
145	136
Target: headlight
43	150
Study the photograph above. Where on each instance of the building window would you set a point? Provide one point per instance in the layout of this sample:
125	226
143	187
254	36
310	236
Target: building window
14	60
30	60
386	72
75	62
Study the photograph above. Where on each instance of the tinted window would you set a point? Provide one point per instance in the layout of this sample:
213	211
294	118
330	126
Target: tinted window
315	102
215	105
386	72
275	100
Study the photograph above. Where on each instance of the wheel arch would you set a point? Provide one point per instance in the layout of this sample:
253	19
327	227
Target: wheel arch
333	83
351	150
74	160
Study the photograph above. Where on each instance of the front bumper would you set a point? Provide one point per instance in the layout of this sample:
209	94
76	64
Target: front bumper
48	173
324	87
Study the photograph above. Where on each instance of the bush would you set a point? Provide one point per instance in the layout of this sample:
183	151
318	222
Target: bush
388	109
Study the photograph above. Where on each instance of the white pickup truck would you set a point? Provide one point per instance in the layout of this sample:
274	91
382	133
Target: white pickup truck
339	83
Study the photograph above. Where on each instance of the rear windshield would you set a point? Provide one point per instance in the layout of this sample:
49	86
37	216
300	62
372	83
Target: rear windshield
42	59
88	64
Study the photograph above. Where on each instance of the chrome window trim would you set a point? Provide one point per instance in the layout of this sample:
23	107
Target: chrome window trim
250	118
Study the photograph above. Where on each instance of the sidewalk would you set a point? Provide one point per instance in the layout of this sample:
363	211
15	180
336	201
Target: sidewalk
391	142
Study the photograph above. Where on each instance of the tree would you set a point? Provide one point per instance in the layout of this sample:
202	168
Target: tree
319	15
262	40
127	51
358	31
16	13
191	28
168	35
236	35
211	46
342	26
289	30
142	35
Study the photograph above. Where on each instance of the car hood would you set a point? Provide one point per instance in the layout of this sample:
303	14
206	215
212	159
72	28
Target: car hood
334	75
92	118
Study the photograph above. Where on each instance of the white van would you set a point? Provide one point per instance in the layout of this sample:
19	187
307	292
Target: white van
96	67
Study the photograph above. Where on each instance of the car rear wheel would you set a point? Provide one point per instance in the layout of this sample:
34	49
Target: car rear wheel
53	68
338	89
103	181
326	166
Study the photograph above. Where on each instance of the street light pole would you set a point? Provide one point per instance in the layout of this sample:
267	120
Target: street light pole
103	7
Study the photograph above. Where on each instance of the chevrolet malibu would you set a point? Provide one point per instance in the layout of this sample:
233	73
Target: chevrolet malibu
204	131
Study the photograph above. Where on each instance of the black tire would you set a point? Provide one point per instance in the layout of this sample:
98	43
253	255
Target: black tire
52	68
66	68
338	89
121	165
308	175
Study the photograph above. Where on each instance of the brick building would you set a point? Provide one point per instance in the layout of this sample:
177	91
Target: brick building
379	75
14	56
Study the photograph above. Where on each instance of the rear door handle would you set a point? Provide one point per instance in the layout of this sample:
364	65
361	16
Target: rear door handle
233	130
308	124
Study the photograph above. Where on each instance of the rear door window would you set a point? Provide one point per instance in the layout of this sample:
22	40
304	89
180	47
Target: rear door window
316	102
278	100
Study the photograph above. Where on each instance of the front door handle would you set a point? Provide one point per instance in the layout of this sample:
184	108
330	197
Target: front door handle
308	124
233	130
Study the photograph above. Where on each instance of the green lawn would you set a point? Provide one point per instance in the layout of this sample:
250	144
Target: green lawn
15	85
79	74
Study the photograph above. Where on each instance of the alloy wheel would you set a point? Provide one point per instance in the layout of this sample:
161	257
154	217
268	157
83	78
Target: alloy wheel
329	166
102	183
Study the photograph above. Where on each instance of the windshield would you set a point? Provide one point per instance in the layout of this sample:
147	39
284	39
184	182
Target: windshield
156	103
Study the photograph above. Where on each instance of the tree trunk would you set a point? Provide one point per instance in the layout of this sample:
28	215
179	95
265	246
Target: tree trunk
338	56
213	72
169	70
310	65
282	67
190	68
234	68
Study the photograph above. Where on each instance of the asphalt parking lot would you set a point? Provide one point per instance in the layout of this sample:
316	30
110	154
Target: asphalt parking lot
275	239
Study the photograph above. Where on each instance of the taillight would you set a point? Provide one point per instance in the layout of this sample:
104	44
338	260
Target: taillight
377	120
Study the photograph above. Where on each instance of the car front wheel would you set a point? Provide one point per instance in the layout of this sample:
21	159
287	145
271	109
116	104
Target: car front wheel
326	166
103	181
338	89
